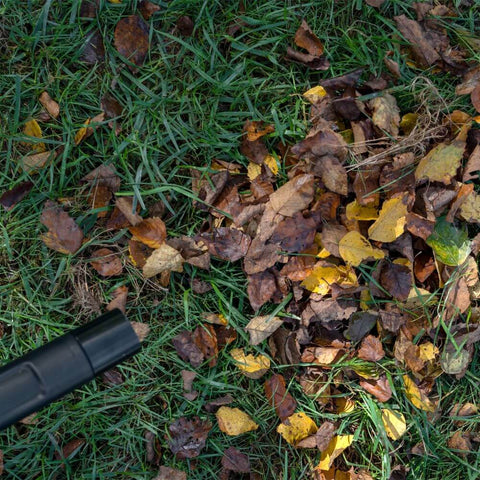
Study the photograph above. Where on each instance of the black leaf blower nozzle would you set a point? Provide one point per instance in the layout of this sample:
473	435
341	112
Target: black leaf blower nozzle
49	372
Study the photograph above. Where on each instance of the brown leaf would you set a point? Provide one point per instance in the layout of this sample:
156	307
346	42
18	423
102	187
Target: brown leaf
460	441
131	40
153	448
299	267
475	97
147	9
261	287
213	405
311	61
106	262
93	50
126	215
295	234
293	196
371	349
342	82
235	461
15	195
458	298
151	231
185	26
138	253
255	151
226	243
419	226
188	377
365	186
331	310
205	338
63	235
119	299
305	38
50	105
186	349
379	388
330	236
187	437
1	462
386	114
99	198
424	266
260	256
332	173
195	253
113	377
111	106
396	280
167	473
375	3
324	142
141	330
392	320
103	176
278	397
470	172
256	130
69	448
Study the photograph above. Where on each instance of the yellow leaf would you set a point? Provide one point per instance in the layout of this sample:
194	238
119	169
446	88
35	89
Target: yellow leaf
365	298
82	132
344	405
427	351
323	253
354	248
271	163
391	220
336	446
32	129
253	170
408	122
315	94
163	259
415	396
297	427
322	278
262	327
441	163
470	208
394	423
355	211
233	421
252	367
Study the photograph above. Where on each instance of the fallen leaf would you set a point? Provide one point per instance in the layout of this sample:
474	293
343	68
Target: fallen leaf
213	405
167	473
106	262
295	234
416	397
371	349
354	248
470	172
151	231
147	9
324	142
93	50
111	106
441	163
205	338
123	214
187	350
297	427
470	209
305	38
335	448
261	288
250	366
32	129
366	186
466	410
360	323
396	280
163	259
321	355
460	441
330	236
141	330
355	211
82	132
138	253
132	40
376	4
332	173
423	267
71	447
188	377
235	461
323	277
262	327
233	421
15	195
278	397
394	423
185	25
51	106
386	114
330	309
63	235
391	220
103	176
419	226
113	377
256	130
187	437
475	98
314	94
380	388
227	244
293	196
32	162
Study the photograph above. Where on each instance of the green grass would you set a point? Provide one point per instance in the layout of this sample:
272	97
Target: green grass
185	107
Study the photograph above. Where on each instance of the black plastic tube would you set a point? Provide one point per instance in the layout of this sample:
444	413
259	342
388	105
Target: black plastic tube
57	368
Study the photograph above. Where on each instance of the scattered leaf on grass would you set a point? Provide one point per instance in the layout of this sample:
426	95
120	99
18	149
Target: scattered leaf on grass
167	473
305	38
475	97
106	262
213	405
186	349
354	248
147	8
314	94
188	436
151	231
256	130
15	195
460	441
205	338
113	377
335	448
233	421
227	243
51	106
262	327
278	397
71	447
141	330
131	40
185	25
63	235
380	388
163	259
138	253
93	50
360	323
250	366
330	236
391	220
33	162
297	427
235	461
103	176
32	129
394	423
416	396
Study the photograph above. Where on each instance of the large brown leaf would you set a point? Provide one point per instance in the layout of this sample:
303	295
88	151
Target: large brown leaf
295	234
294	196
11	197
324	142
131	40
380	388
106	262
261	287
305	38
332	173
396	280
187	437
226	243
151	231
235	461
205	338
187	349
371	349
278	397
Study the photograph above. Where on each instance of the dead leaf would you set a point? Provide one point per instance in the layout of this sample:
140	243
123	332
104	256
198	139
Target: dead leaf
227	244
167	473
261	288
235	461
460	441
305	38
141	330
416	397
324	276
376	4
147	9
15	195
103	176
475	98
371	349
335	448
185	25
423	267
205	338
419	226
322	355
250	366
293	196
213	405
32	129
391	220
332	173
111	106
470	172
33	162
256	130
187	437
295	234
113	377
278	397
187	350
366	185
50	105
396	280
233	421
386	114
314	94
163	259
132	40
99	198
93	50
394	423
151	231
106	262
63	235
330	236
262	327
331	309
355	211
138	253
354	248
324	142
297	427
470	209
123	215
188	377
380	388
119	300
71	447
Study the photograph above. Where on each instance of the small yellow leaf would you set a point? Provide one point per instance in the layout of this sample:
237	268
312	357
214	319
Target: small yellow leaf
271	163
394	423
344	405
315	94
323	253
336	446
297	427
82	132
355	248
408	122
323	277
441	163
355	211
32	129
252	367
391	220
253	170
163	259
428	351
233	421
415	396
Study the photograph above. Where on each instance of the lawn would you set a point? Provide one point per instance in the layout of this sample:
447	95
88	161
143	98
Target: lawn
184	108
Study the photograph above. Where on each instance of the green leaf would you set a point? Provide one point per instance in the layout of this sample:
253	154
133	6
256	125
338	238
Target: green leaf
450	244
